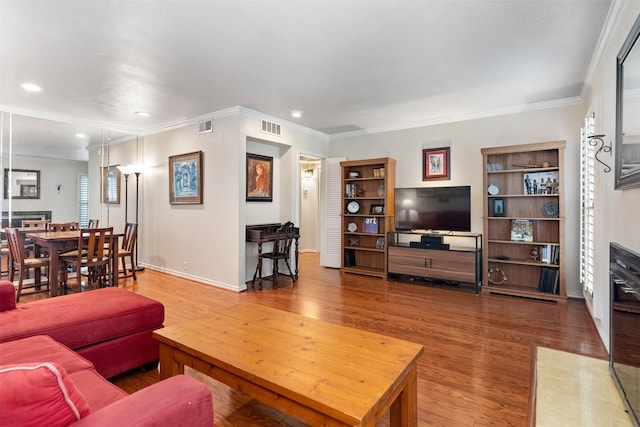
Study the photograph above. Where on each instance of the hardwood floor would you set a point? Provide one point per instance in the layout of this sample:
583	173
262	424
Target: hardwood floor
478	364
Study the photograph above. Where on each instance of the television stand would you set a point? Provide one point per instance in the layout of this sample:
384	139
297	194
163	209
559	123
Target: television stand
452	256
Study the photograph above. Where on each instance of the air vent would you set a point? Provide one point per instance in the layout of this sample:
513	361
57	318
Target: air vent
205	126
271	128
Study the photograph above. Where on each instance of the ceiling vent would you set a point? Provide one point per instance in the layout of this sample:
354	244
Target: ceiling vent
271	128
205	126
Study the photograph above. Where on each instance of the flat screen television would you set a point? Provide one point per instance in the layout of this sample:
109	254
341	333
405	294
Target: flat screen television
433	208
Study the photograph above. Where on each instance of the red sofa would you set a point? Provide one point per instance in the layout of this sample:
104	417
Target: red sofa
112	327
44	383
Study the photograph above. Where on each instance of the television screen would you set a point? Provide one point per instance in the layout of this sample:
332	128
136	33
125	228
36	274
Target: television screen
433	208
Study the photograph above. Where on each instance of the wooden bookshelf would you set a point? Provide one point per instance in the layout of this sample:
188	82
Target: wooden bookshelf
512	176
368	214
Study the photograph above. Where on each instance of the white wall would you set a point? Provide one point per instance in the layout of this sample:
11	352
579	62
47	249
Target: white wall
53	172
466	139
309	208
206	242
616	212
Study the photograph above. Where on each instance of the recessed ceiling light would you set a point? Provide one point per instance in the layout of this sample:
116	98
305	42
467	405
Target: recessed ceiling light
296	113
142	114
30	87
80	135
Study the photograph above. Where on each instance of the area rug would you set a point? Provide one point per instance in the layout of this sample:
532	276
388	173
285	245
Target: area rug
575	390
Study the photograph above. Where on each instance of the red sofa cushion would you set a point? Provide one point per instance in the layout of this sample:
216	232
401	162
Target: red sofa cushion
83	319
42	348
39	395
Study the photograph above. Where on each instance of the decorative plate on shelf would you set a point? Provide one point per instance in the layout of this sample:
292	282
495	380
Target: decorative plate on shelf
493	190
550	210
352	227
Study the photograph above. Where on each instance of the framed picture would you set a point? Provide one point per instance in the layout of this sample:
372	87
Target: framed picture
377	210
541	183
22	184
522	230
436	164
111	185
259	178
354	174
186	179
497	207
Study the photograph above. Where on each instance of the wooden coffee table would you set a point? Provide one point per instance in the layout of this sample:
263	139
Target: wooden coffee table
321	373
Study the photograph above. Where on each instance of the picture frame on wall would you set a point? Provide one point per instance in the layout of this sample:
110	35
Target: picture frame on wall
186	179
436	164
259	178
497	206
111	177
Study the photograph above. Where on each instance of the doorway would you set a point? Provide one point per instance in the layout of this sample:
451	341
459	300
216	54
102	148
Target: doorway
310	169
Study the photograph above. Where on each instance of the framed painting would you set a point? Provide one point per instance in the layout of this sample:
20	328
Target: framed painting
436	164
111	185
259	178
186	179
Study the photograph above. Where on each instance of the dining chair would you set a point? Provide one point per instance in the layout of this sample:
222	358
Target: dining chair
37	224
93	223
281	251
91	260
22	263
127	249
61	226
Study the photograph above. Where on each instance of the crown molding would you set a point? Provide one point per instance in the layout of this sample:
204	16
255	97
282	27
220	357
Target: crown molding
558	103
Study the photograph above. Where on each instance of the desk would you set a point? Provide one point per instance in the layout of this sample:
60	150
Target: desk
322	373
264	233
56	241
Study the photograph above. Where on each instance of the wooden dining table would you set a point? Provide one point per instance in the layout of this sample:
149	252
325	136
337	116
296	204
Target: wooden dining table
57	241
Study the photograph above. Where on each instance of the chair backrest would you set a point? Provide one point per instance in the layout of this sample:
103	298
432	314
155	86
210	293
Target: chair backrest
93	223
34	223
130	236
91	244
283	238
61	226
16	245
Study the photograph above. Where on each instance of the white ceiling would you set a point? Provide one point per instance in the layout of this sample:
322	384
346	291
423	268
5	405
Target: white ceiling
350	65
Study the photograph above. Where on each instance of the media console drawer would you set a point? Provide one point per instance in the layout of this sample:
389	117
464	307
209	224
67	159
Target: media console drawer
456	266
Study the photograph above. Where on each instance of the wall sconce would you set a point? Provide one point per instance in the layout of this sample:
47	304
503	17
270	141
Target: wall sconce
594	140
308	174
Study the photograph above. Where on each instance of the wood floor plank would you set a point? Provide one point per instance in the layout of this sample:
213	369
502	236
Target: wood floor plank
476	369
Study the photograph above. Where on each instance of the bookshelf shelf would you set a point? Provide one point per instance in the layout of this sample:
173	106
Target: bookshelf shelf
527	181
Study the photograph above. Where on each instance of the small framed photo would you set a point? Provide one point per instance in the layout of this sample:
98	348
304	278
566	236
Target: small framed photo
436	164
497	207
259	178
377	210
354	174
541	183
185	179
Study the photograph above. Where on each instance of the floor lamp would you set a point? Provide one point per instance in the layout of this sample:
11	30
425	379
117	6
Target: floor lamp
137	170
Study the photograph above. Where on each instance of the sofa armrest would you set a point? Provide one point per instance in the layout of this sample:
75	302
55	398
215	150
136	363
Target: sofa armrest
176	401
7	296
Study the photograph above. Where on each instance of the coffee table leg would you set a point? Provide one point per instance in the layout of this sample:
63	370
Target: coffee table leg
404	411
168	365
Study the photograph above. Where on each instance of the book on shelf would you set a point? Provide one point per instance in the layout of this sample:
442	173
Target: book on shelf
522	230
549	280
370	225
550	254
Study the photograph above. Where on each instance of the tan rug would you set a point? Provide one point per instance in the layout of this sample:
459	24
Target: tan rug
575	390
